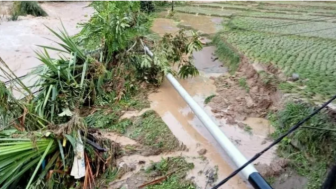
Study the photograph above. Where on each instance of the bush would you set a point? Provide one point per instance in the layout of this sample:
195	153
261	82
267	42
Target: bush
28	7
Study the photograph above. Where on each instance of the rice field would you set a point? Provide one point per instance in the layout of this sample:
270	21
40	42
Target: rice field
205	11
312	28
313	59
296	37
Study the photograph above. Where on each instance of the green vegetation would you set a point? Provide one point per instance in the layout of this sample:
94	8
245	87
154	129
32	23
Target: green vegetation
318	27
20	155
150	130
312	59
226	53
176	168
101	67
243	84
310	148
208	99
28	7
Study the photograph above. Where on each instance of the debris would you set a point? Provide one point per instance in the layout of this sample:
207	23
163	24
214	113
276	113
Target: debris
156	181
202	151
78	166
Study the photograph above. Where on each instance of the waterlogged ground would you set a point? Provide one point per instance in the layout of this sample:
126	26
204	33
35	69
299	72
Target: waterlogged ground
19	39
18	42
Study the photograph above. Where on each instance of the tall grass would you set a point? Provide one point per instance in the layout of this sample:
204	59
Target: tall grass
28	7
225	53
311	148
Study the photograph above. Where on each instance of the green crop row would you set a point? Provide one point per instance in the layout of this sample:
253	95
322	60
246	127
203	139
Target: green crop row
205	11
248	12
312	28
313	59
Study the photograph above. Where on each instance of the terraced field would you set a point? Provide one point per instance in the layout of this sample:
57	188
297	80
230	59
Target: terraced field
313	59
297	37
318	27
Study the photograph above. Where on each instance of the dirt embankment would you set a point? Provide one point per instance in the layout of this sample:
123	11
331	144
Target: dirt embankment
251	92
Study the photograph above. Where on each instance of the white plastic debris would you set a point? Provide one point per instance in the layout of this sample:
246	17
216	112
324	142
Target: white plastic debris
78	166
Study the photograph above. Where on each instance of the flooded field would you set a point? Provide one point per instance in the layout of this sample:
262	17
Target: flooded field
19	39
18	43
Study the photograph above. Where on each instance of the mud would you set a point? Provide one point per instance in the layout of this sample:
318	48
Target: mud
244	95
164	25
204	24
205	61
19	39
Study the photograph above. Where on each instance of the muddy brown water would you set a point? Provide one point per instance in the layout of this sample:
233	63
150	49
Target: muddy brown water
19	39
202	23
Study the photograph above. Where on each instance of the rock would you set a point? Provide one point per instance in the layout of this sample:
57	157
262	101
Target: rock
254	89
202	151
249	102
141	162
211	175
294	77
241	125
132	166
230	120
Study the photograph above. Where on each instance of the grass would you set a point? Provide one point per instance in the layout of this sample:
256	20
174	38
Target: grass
226	53
208	99
243	84
310	148
150	130
28	7
248	129
179	167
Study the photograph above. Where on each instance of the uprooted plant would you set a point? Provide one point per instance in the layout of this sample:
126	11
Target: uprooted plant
44	123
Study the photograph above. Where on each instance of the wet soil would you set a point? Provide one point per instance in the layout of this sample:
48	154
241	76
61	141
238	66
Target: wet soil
19	39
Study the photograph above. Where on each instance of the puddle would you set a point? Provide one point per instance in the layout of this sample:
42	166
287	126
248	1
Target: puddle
171	107
122	140
204	24
135	113
19	39
205	61
164	25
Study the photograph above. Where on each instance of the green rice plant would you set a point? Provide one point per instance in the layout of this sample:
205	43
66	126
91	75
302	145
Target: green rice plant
206	11
19	156
322	29
226	53
311	58
28	7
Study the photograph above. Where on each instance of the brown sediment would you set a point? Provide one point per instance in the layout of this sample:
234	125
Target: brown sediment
164	25
173	110
19	39
239	101
204	24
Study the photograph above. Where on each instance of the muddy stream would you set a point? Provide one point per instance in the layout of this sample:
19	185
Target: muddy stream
18	41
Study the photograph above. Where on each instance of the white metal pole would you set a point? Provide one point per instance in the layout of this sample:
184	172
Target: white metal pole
234	154
249	172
